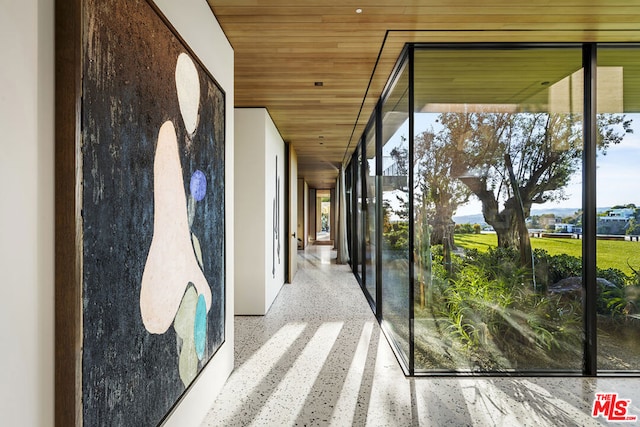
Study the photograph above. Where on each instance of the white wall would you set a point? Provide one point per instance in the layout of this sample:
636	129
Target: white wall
305	213
258	142
293	213
274	250
302	227
197	25
26	215
250	202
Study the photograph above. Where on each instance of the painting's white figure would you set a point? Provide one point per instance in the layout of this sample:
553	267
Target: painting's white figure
188	86
174	288
171	263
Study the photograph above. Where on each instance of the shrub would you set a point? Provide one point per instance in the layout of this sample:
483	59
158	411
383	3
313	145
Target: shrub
551	269
396	236
464	229
613	275
624	298
494	312
492	306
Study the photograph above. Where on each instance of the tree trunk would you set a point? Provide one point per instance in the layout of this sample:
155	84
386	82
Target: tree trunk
442	234
442	231
512	232
423	257
509	224
524	243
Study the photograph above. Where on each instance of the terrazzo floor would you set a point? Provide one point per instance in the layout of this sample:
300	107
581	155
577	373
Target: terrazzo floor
319	358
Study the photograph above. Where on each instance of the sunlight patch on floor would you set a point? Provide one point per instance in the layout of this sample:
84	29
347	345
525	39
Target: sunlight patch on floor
288	399
390	400
345	408
259	365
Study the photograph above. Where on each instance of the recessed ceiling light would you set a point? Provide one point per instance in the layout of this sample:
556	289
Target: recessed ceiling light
358	10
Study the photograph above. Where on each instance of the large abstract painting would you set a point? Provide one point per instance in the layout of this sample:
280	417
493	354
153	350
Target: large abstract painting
151	186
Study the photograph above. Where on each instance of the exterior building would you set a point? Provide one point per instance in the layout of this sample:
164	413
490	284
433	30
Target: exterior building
616	221
567	228
549	221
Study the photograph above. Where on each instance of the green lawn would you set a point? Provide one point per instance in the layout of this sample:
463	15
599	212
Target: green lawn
611	253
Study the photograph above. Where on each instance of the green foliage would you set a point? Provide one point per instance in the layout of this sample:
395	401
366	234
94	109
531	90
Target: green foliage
611	253
438	267
538	153
467	228
497	313
499	264
396	236
614	276
487	303
464	229
553	268
622	300
627	206
634	227
400	155
473	301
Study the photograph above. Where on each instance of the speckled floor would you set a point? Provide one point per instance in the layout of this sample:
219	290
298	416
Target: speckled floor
318	358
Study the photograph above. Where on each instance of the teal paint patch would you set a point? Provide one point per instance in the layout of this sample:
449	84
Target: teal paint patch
200	327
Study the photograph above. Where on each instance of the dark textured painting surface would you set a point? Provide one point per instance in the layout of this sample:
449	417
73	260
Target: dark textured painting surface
129	375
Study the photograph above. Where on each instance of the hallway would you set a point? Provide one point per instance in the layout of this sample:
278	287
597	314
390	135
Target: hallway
319	358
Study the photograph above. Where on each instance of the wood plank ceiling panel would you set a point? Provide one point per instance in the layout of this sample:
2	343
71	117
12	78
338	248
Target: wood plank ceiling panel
283	47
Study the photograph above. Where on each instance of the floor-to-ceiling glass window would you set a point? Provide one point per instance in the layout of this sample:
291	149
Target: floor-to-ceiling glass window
618	203
395	211
369	165
359	212
497	171
486	261
348	187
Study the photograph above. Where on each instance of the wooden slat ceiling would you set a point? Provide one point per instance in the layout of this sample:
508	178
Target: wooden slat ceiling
282	47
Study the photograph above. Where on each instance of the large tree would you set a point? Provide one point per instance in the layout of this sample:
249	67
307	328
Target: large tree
437	195
511	161
437	192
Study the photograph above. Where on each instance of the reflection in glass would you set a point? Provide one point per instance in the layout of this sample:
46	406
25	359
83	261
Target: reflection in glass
359	213
348	186
618	201
370	217
395	214
497	149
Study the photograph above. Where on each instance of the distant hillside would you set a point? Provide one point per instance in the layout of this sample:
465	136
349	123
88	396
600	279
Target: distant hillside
470	219
561	212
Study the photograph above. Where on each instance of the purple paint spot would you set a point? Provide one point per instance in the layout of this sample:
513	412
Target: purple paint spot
198	185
